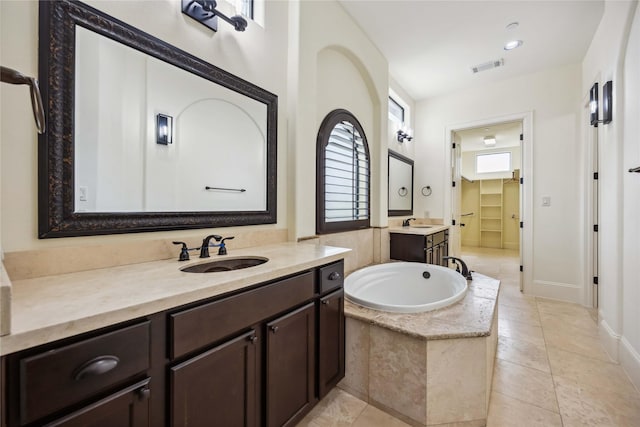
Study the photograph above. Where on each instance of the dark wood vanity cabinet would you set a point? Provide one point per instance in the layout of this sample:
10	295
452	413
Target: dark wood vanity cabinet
258	357
419	248
290	366
93	380
331	341
127	408
217	387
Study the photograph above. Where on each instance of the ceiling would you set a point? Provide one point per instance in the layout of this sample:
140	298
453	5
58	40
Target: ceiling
507	135
432	45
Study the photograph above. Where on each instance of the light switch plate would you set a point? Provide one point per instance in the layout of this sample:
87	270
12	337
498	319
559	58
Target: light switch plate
546	201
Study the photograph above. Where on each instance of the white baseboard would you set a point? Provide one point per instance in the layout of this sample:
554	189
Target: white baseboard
610	340
630	361
555	290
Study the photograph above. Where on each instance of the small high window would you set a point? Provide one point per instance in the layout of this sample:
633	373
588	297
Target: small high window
396	111
343	174
245	7
494	162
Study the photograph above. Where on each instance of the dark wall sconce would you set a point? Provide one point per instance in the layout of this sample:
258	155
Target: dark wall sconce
164	129
204	11
607	104
404	135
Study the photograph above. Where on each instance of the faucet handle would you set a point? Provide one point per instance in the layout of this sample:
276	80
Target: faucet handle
184	251
223	247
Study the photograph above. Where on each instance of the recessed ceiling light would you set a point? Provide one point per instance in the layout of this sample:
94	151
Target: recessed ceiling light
512	44
512	26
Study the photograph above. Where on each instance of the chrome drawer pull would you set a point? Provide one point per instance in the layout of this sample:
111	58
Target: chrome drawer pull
98	366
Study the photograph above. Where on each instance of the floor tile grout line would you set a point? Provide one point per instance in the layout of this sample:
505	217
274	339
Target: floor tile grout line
524	366
529	403
360	414
553	378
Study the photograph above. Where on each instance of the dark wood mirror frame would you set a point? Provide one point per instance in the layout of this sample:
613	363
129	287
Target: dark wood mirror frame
408	161
56	216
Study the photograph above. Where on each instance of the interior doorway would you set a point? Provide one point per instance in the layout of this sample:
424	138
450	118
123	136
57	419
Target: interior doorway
489	164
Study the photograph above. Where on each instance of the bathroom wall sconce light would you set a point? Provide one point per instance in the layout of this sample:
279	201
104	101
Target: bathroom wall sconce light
204	11
607	104
164	129
404	134
489	141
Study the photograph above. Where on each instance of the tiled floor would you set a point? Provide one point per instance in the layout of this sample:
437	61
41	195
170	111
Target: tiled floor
550	369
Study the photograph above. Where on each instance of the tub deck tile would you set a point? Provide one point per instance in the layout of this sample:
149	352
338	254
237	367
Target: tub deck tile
468	318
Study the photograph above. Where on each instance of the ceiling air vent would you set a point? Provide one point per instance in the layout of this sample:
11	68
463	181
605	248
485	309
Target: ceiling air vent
488	65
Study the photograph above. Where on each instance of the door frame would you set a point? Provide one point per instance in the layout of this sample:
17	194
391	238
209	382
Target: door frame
591	254
526	194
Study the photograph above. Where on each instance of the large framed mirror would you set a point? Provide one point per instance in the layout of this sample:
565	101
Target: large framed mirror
400	185
143	136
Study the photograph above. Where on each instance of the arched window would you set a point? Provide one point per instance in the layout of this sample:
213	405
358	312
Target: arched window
342	174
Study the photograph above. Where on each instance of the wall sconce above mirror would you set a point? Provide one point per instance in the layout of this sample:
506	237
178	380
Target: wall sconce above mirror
607	104
404	134
205	12
109	163
400	185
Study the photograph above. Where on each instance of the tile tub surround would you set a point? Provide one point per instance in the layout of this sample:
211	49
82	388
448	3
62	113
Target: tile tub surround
430	368
46	309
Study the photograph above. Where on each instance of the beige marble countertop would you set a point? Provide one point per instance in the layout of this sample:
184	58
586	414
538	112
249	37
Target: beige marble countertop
5	301
470	317
49	308
421	229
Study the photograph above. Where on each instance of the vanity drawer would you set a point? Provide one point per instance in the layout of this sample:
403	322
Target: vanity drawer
331	277
203	325
439	237
57	378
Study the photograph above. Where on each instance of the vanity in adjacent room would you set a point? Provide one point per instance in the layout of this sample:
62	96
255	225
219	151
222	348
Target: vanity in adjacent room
420	243
416	240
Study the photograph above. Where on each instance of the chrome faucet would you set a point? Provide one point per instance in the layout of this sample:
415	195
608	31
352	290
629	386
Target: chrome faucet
405	223
461	267
204	249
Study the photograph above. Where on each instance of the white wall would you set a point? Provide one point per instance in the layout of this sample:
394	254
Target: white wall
553	96
340	68
610	58
630	341
258	55
406	148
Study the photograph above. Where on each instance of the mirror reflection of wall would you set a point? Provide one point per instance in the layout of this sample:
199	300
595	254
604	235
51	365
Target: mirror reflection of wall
219	136
400	185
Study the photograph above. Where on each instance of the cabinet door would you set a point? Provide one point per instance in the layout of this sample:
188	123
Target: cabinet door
330	342
217	387
407	247
129	407
290	368
429	255
437	255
